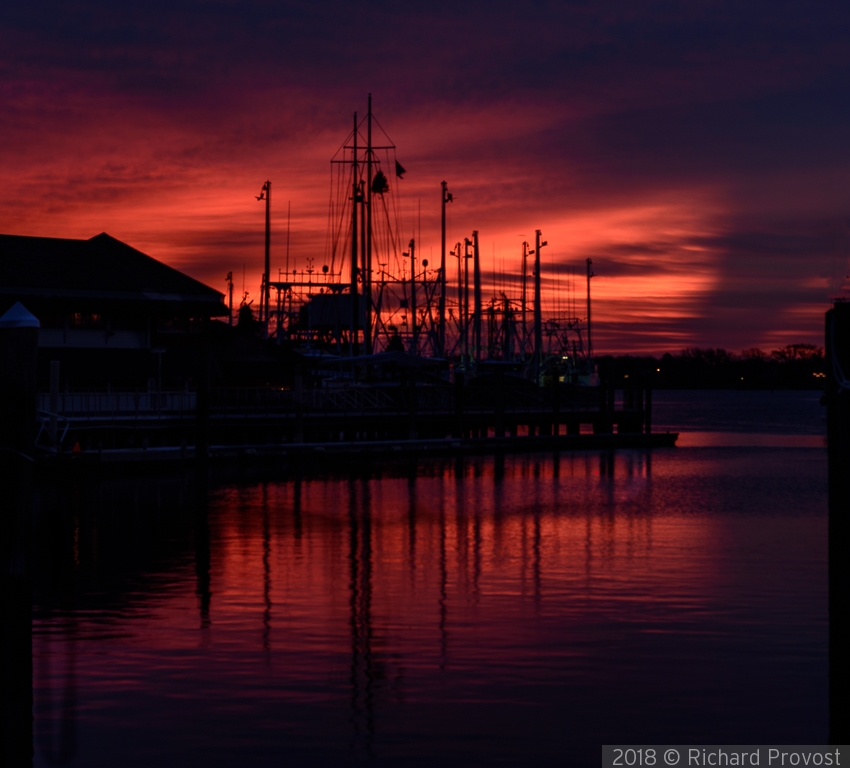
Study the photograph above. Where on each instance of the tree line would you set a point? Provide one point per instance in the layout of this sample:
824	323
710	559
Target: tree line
795	366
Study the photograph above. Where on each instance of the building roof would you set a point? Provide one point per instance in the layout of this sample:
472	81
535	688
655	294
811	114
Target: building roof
101	267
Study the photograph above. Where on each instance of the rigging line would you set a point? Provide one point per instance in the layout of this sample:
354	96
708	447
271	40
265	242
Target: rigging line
396	200
495	276
335	232
329	237
343	146
386	135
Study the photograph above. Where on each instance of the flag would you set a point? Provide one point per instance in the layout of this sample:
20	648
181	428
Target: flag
399	169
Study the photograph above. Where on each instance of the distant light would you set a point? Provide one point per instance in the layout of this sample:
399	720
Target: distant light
658	369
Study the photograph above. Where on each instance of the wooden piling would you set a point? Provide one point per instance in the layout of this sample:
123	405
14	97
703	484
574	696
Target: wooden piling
499	421
838	441
298	398
54	405
647	411
202	403
18	357
458	430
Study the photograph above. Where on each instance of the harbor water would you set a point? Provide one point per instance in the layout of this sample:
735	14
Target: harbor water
508	610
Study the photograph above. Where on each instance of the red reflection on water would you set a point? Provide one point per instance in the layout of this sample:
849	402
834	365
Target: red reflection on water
558	582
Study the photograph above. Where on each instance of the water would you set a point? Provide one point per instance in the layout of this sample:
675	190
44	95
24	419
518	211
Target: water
520	611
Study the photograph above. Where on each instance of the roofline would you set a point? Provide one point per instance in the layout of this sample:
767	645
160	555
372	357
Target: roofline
51	293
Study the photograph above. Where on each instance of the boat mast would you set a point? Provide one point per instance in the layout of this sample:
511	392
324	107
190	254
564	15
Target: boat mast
589	343
362	200
446	197
414	347
367	276
538	309
476	318
523	297
466	256
459	300
229	281
354	191
268	277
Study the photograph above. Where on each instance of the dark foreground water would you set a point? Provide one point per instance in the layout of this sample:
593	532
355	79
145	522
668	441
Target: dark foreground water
520	611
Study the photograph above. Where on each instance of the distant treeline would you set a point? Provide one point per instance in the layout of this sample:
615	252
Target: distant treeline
796	366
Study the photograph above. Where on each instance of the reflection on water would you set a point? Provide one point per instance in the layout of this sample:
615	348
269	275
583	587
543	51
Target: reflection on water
508	610
695	439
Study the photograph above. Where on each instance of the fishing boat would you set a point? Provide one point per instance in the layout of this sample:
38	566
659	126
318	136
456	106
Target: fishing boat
374	295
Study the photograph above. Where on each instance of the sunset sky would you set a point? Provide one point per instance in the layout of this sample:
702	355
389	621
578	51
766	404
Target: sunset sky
698	152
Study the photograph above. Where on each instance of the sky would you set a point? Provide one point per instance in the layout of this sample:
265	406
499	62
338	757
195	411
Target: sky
697	152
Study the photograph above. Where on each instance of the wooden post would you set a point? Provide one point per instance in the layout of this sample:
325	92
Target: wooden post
604	423
500	405
54	404
18	358
202	402
458	431
298	397
556	404
838	458
648	410
412	406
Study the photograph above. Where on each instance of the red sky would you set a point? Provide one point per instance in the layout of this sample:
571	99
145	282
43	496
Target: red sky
697	152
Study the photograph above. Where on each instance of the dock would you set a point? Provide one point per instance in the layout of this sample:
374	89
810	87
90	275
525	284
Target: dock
334	424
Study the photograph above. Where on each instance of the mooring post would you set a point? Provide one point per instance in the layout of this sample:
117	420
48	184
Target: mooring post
54	404
601	417
18	358
838	451
556	404
605	422
412	406
647	409
458	431
499	426
202	403
298	397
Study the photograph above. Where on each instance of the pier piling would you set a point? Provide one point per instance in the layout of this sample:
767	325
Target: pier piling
838	440
18	354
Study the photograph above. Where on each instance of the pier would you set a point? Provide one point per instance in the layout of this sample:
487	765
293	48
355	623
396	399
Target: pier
400	418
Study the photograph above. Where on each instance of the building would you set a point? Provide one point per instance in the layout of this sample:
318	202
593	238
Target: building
110	315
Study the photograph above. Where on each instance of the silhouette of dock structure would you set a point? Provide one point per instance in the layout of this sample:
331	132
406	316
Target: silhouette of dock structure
351	420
